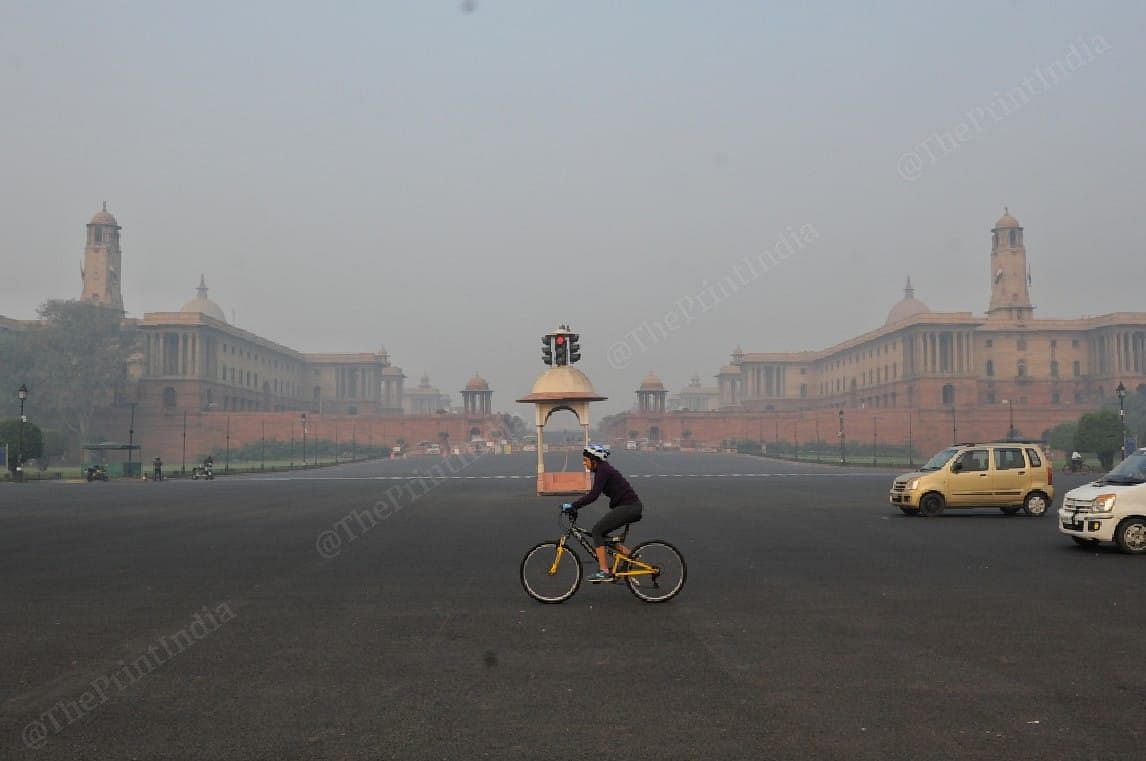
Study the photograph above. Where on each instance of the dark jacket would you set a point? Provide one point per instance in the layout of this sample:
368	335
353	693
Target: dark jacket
608	480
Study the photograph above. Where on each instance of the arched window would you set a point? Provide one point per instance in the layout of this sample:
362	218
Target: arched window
1054	368
1022	369
990	368
169	398
948	394
1076	368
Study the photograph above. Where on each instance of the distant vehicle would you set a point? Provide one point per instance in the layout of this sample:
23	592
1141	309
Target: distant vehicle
630	445
433	449
96	473
529	448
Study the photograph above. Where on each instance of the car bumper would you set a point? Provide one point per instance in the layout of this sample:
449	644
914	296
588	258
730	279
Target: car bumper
1087	525
907	499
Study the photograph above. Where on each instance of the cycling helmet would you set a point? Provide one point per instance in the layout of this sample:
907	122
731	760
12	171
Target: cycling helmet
597	451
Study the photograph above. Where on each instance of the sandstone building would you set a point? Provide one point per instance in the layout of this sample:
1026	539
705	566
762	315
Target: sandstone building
927	377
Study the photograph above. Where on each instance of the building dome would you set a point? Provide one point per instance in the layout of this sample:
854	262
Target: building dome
477	383
104	217
1006	220
652	383
908	306
201	303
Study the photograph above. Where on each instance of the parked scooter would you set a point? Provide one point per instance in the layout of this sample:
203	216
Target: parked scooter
96	473
206	472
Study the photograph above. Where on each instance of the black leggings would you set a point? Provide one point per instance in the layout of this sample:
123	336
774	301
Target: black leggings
614	519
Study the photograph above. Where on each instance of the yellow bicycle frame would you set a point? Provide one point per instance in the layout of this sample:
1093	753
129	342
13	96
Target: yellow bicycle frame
636	567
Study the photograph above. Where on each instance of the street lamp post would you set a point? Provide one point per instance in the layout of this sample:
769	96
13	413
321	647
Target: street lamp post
843	452
227	462
130	438
910	455
183	466
954	434
21	394
303	418
1121	391
818	437
874	439
1010	418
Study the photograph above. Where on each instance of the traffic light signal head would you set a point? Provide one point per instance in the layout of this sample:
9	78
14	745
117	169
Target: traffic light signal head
561	350
547	350
574	347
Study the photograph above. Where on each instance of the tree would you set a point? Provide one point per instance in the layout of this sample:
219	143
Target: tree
80	352
1061	437
15	369
32	446
1100	432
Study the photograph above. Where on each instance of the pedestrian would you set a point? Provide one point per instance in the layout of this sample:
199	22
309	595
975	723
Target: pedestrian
157	469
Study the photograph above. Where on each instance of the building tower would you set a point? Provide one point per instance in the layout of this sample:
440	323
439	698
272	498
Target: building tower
1010	274
651	396
102	271
477	397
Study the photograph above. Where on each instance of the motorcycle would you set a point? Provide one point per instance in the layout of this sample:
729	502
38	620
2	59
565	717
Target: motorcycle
96	473
206	472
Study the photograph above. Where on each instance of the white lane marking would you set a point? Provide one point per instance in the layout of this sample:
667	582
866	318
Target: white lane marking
432	477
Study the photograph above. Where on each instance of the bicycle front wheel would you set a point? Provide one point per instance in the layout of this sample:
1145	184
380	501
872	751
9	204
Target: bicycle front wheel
667	578
548	578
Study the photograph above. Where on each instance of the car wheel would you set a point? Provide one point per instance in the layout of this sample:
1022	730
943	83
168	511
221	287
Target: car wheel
1010	510
1035	504
1084	542
1131	536
931	505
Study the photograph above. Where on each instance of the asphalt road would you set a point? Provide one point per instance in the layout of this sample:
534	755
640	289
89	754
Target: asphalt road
219	620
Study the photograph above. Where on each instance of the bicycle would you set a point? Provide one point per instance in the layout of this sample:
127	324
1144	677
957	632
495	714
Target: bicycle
551	572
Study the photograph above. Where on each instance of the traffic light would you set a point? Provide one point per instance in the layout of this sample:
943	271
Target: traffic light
547	351
561	350
574	347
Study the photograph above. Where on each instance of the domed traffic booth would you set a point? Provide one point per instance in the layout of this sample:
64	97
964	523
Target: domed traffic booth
561	388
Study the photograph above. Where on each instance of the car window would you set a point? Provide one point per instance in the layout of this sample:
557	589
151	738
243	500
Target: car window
1009	458
1033	456
975	459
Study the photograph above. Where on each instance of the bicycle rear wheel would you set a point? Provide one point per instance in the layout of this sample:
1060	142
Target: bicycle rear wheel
546	583
669	578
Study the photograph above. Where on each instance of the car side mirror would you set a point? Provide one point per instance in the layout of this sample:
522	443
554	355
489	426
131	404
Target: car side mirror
956	466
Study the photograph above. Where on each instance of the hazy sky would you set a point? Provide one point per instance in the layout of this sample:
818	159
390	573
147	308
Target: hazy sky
453	184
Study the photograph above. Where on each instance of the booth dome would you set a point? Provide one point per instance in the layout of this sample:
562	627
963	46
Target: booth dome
477	383
563	380
204	305
908	306
652	383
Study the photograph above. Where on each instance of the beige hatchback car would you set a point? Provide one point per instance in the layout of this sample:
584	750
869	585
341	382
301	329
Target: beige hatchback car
1009	475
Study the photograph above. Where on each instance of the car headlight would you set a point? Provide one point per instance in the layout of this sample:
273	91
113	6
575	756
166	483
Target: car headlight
1103	503
912	484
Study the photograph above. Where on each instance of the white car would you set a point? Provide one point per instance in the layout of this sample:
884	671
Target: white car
1111	509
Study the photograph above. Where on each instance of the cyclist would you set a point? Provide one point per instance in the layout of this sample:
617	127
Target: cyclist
624	504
